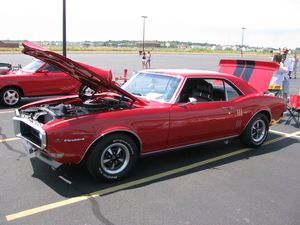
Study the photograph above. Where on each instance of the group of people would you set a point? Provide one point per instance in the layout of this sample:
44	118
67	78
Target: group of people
280	81
146	60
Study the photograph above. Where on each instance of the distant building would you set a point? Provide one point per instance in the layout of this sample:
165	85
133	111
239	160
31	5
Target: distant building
9	44
216	47
149	44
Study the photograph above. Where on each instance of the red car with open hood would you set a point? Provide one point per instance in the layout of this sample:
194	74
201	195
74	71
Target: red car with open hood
35	79
155	111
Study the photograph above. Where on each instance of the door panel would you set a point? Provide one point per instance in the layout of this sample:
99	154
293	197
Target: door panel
48	80
201	122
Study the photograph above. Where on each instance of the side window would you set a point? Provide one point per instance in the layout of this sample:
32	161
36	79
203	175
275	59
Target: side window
231	92
218	92
203	90
207	90
51	68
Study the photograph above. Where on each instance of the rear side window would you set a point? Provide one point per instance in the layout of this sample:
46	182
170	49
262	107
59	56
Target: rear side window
222	90
231	92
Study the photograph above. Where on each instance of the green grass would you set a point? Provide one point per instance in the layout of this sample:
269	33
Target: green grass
136	50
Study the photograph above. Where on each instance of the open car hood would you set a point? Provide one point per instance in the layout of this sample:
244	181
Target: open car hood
257	73
98	79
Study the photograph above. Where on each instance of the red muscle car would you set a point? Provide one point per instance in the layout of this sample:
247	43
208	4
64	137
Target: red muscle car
155	111
36	79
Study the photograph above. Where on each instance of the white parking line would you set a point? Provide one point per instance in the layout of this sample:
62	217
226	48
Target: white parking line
7	111
9	139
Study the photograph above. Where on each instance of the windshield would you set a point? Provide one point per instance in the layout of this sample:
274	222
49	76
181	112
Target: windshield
153	86
33	66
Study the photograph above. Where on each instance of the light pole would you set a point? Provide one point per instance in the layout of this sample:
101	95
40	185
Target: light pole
64	42
144	19
243	30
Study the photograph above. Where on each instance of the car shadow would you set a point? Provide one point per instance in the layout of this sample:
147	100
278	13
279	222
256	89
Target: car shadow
73	181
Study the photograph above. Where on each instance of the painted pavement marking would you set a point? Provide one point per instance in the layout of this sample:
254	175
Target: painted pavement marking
73	200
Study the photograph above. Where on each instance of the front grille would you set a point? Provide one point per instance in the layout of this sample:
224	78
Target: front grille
30	133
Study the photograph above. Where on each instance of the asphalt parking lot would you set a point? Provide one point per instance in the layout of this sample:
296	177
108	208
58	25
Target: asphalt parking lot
214	184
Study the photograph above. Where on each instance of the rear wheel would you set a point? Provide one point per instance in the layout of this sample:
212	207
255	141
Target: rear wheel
256	132
10	96
112	157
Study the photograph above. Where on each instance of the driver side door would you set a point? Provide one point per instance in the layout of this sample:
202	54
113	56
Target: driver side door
207	120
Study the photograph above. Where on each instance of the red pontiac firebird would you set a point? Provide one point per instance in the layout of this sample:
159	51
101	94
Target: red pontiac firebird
155	111
35	79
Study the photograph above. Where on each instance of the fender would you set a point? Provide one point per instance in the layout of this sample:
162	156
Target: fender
110	131
257	112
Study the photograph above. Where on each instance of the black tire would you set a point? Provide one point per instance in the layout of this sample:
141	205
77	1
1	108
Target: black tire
112	157
10	96
256	131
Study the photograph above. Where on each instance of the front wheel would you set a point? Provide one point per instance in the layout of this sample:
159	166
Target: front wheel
112	157
10	96
256	132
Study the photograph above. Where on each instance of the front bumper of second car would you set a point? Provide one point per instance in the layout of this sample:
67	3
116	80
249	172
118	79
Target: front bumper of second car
34	139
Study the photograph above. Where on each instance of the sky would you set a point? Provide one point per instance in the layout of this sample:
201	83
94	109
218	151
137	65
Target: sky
267	23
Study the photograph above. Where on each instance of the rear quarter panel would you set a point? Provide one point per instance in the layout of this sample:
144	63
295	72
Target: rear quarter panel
253	104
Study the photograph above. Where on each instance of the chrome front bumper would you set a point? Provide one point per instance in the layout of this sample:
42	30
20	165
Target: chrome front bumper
34	139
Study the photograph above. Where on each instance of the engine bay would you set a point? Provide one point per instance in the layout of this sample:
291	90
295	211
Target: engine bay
49	112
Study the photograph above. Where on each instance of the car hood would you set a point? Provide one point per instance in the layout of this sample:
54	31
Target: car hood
257	73
98	79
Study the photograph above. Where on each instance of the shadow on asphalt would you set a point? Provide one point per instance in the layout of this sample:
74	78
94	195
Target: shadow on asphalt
83	184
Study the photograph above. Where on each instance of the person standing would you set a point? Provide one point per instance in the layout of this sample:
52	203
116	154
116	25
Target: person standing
295	61
286	81
276	83
144	65
148	60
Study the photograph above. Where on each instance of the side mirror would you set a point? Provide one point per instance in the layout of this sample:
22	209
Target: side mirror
192	101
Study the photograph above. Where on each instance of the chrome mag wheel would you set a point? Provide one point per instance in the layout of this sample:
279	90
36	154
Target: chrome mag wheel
115	158
258	130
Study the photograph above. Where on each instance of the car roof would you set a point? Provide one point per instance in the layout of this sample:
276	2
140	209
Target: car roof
189	73
244	86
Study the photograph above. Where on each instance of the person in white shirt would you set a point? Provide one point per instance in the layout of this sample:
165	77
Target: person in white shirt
295	61
286	81
276	83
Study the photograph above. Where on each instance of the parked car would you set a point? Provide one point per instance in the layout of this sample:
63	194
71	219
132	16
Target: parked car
155	111
36	79
5	68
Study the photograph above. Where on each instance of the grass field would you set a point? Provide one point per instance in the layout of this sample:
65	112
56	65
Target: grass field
135	50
